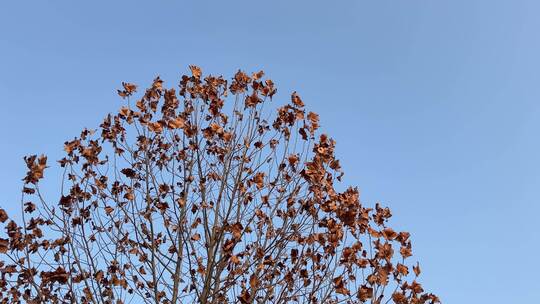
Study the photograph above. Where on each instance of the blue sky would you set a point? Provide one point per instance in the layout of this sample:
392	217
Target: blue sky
434	105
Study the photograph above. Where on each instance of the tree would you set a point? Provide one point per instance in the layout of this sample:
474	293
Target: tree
184	198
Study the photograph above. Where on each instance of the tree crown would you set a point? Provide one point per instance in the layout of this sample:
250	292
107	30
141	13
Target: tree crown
199	196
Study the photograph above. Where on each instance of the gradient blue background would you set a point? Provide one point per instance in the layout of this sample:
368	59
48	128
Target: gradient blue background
434	105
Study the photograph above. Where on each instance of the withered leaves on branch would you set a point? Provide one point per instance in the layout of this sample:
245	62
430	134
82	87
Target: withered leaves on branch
195	195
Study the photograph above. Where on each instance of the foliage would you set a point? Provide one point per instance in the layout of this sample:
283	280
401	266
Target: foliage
197	196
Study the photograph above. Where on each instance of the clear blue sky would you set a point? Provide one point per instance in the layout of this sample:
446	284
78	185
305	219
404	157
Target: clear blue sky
435	105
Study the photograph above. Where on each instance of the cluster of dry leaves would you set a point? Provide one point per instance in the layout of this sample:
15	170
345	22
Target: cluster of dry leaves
195	196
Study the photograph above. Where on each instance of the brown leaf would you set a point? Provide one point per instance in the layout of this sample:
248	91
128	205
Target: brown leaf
364	293
258	179
405	251
128	90
416	269
109	210
155	127
196	71
235	259
227	136
402	269
339	285
253	281
128	172
314	120
3	215
4	245
296	100
177	123
244	297
258	75
389	234
29	208
59	275
293	159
